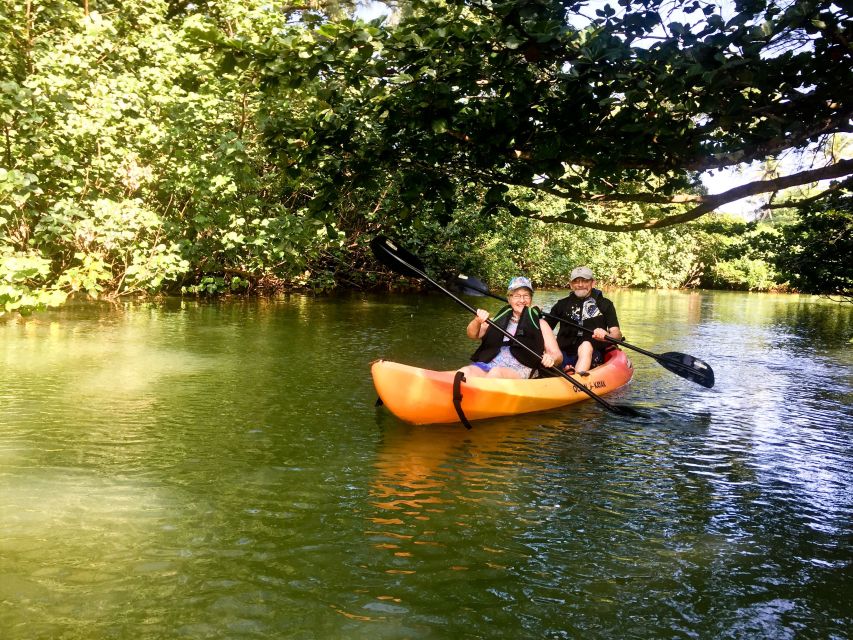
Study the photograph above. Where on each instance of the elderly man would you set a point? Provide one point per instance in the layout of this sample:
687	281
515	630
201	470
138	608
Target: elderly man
587	307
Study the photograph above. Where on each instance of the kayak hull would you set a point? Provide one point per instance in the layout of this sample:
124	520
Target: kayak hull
423	396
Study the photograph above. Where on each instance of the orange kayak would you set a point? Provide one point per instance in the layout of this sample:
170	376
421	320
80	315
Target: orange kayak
422	396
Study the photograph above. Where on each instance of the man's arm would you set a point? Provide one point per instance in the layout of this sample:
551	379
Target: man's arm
612	322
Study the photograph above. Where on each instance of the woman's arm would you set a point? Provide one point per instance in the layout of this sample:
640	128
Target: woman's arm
478	326
551	347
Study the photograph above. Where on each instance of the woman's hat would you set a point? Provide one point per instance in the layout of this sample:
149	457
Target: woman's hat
519	283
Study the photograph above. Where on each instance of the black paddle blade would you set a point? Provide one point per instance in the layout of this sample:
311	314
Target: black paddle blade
471	286
688	367
627	411
396	257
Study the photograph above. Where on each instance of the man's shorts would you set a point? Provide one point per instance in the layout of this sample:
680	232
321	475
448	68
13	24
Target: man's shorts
597	359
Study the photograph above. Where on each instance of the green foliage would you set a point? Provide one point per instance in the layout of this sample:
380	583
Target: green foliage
718	252
815	253
520	93
732	254
131	162
742	273
24	283
122	238
208	285
220	147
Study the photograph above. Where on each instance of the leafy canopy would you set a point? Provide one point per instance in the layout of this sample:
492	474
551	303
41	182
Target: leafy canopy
590	102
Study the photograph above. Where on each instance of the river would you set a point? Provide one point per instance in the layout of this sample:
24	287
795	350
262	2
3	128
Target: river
192	469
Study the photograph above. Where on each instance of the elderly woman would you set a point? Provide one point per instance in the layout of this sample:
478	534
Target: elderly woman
500	357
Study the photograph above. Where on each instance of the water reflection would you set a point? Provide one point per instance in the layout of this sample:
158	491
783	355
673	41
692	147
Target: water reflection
732	491
219	470
441	486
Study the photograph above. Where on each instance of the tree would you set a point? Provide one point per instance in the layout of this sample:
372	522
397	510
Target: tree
816	250
128	160
627	105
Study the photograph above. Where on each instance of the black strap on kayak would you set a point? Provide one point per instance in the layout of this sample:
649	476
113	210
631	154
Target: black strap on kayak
379	402
458	379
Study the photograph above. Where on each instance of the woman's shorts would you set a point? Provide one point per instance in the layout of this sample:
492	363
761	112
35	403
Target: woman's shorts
507	360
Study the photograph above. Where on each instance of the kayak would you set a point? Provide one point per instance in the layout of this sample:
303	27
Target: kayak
423	396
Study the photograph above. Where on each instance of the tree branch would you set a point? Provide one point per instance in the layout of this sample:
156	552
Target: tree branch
833	125
711	202
790	204
839	123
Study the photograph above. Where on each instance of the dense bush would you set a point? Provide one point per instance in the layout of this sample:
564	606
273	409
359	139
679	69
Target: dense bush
816	250
135	160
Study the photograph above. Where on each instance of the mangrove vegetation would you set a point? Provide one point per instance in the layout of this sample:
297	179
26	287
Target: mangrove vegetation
154	146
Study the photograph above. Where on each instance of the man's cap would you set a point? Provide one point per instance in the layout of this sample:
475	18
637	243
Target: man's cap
519	283
582	272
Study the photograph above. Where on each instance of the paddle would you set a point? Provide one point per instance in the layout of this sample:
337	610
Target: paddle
398	259
681	364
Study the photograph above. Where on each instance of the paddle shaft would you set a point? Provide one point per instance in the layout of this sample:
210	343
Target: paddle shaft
575	383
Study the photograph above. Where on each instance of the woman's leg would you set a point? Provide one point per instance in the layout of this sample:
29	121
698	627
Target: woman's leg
503	372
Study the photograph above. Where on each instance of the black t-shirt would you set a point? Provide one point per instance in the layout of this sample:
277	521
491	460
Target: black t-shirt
592	312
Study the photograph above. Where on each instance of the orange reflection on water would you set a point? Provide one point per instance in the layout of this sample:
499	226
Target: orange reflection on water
355	616
450	477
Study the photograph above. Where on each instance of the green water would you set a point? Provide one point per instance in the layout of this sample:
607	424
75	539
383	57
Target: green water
204	470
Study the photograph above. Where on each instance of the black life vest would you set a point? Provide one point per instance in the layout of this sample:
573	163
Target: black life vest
569	336
528	333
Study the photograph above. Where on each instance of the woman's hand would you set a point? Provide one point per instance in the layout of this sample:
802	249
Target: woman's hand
477	327
547	361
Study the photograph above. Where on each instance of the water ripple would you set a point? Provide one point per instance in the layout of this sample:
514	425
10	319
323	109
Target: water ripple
225	465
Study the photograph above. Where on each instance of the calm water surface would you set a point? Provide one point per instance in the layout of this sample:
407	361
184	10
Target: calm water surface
203	470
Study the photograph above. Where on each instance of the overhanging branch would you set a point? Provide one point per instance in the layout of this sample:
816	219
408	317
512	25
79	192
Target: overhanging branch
709	203
790	204
772	147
